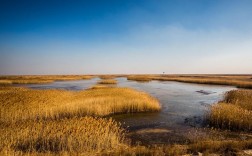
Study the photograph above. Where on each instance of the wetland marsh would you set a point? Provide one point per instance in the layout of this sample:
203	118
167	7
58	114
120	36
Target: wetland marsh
143	114
183	105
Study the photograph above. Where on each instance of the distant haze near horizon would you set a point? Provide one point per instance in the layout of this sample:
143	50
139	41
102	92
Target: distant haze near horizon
125	37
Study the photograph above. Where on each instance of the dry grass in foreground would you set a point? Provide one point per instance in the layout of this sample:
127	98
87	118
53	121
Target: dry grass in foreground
234	113
71	136
30	79
108	81
18	104
49	122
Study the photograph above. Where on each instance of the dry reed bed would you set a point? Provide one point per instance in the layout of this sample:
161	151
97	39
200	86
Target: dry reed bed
229	116
107	76
205	80
141	78
42	79
74	136
49	122
242	98
234	113
21	103
108	81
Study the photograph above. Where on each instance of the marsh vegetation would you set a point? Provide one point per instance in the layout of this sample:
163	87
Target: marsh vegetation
234	112
66	135
140	78
107	76
241	81
59	121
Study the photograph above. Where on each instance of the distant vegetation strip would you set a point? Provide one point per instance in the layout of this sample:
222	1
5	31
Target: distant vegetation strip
234	113
140	78
41	79
107	76
239	81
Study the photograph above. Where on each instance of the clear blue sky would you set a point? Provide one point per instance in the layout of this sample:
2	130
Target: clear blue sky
125	36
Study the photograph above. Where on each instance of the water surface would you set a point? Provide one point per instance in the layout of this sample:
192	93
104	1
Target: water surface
181	102
66	85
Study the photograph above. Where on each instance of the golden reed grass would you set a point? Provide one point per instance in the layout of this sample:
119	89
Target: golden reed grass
234	113
75	135
108	81
49	122
211	80
229	116
242	98
140	78
21	103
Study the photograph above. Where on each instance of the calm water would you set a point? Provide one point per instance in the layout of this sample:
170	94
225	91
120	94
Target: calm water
181	104
66	85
